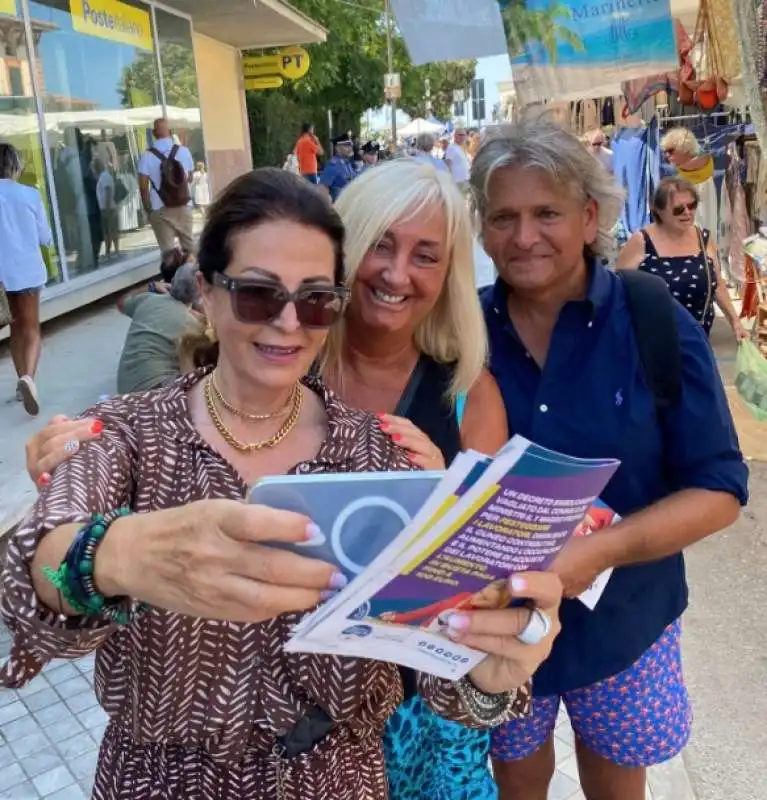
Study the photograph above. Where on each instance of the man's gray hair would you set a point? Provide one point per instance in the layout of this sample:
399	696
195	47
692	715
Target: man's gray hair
10	162
184	286
425	142
539	144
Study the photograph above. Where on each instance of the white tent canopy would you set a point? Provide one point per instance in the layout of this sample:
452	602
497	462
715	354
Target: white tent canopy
420	125
96	119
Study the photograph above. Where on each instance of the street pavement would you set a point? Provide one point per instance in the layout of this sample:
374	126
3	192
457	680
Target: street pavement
49	729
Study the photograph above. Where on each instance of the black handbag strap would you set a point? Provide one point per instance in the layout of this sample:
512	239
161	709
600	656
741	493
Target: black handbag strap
407	397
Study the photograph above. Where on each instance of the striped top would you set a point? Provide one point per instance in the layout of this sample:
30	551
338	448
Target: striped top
195	706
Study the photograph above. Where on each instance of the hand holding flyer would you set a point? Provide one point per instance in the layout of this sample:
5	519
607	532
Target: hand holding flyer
512	515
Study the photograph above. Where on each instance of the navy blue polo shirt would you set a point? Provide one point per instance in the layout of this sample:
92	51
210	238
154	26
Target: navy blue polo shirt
591	401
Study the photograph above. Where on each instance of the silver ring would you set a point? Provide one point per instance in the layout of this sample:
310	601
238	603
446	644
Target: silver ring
71	446
537	629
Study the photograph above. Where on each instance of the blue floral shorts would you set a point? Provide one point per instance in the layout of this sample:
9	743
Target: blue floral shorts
637	718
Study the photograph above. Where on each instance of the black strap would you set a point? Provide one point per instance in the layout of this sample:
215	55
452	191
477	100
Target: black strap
157	153
649	245
406	398
653	316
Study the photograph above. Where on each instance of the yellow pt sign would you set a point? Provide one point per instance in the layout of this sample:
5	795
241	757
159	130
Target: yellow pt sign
112	20
8	7
294	62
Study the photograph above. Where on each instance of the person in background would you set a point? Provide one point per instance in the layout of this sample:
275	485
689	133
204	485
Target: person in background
307	148
159	319
167	223
564	352
24	229
178	592
457	160
339	171
686	257
597	144
105	191
684	152
370	152
357	160
201	187
424	145
472	145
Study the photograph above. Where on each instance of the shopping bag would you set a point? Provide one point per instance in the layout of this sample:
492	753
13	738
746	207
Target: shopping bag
751	379
5	309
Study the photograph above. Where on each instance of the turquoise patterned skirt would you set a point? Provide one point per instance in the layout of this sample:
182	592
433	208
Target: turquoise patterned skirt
431	758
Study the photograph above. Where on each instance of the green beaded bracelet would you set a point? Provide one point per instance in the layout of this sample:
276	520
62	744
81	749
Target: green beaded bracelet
74	577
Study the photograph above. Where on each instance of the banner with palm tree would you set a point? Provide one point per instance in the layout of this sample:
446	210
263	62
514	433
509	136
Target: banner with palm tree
571	49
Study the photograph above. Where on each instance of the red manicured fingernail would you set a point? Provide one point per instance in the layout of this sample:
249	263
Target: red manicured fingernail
380	416
97	426
396	437
44	479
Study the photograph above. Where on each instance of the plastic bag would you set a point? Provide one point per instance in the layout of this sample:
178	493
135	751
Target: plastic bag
751	379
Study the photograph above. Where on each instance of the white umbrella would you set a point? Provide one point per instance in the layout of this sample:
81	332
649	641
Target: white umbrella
420	125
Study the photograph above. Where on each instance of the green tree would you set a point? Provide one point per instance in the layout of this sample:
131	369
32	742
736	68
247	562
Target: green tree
444	78
346	77
138	83
547	26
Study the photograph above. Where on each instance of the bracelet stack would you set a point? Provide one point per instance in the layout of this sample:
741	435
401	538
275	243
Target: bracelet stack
74	577
485	709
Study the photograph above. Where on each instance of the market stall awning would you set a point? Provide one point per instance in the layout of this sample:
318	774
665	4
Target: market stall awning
251	24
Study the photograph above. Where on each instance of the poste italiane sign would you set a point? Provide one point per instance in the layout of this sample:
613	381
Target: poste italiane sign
8	7
267	72
112	20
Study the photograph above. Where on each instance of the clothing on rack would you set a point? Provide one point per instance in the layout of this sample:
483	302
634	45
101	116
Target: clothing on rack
738	225
636	166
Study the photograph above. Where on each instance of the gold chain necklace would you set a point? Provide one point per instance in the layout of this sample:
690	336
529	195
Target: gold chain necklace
250	447
244	414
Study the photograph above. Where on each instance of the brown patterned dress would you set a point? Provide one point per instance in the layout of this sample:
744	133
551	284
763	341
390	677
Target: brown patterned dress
195	706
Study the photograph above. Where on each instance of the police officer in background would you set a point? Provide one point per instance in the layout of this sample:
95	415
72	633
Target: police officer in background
339	171
370	152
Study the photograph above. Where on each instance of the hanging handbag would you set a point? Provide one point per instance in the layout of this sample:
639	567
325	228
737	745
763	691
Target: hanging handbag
5	308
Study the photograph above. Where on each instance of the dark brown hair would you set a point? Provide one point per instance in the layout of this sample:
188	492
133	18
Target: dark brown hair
666	189
266	195
263	195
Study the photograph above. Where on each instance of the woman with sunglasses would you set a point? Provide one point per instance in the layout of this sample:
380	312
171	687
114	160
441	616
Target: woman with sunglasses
684	255
411	347
142	549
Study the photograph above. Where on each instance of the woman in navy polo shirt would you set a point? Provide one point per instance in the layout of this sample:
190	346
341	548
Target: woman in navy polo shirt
565	356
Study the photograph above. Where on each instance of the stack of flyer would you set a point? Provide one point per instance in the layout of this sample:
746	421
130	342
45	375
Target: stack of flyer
484	520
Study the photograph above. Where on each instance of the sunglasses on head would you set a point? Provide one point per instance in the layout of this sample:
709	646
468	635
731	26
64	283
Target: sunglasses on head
259	302
677	211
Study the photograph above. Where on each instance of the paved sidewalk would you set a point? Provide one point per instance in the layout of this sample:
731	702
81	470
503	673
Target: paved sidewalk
50	731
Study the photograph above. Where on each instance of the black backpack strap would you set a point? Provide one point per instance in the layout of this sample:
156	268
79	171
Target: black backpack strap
156	152
172	154
653	316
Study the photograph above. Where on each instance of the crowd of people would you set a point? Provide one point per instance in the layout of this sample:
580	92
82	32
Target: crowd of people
307	336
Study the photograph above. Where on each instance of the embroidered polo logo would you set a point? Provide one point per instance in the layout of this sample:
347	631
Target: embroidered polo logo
619	398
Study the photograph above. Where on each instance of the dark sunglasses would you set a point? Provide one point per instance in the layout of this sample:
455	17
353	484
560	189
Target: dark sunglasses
677	211
258	302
